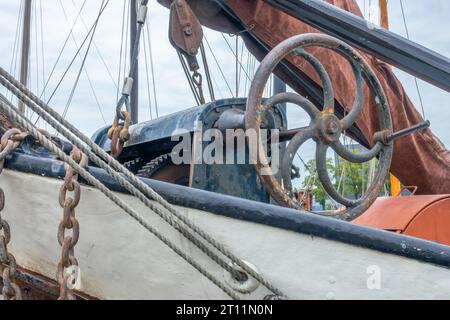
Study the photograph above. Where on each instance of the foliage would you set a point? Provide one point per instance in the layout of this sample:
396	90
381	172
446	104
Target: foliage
350	179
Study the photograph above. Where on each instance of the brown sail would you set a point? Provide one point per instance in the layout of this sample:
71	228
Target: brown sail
420	159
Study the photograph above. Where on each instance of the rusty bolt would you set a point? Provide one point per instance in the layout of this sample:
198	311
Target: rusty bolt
332	128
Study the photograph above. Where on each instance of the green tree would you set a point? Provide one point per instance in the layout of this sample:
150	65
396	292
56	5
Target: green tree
350	179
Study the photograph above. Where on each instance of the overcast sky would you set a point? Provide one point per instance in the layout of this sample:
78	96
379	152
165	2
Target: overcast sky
428	23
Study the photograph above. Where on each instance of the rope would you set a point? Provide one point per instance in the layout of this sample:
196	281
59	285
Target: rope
189	78
152	68
147	77
207	72
134	185
94	25
83	67
218	66
235	54
108	70
415	78
62	49
14	114
121	50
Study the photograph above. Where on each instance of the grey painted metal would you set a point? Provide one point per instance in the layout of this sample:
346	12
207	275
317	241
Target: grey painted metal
388	46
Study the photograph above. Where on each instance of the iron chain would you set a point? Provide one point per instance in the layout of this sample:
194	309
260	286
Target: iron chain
69	223
8	266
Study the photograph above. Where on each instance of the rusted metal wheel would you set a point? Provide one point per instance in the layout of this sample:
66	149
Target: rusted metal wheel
325	127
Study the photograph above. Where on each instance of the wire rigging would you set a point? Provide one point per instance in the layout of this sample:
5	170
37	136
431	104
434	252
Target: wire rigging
415	78
94	26
14	58
82	68
97	50
152	67
121	49
62	50
147	75
218	66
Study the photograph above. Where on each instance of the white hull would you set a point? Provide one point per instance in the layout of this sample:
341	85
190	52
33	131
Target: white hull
119	259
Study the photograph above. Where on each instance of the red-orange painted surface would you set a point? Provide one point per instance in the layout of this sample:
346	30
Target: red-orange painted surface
425	217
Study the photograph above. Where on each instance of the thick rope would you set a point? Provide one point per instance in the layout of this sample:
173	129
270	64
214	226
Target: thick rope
135	181
20	119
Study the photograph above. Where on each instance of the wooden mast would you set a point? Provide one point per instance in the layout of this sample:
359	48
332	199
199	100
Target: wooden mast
384	22
25	54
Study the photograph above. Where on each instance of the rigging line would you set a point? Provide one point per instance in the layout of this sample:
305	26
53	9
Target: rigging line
241	59
218	65
121	49
415	78
76	54
234	54
42	45
247	65
237	66
62	50
216	85
189	79
147	75
207	72
14	58
108	70
126	42
16	37
82	66
152	67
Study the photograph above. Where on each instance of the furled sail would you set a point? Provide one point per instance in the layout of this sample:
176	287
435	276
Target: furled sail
420	159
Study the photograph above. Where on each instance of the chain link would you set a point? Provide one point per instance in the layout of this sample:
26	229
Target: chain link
69	223
8	266
118	133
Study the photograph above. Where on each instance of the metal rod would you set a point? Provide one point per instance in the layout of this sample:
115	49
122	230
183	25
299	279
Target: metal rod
134	97
408	131
25	54
383	44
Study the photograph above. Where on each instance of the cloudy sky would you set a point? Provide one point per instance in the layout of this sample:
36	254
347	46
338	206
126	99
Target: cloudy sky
93	107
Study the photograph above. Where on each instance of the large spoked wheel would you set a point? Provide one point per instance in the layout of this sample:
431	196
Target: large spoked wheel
325	127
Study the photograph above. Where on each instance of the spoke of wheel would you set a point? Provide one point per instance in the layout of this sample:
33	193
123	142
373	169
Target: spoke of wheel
358	104
328	94
289	97
300	138
321	164
357	157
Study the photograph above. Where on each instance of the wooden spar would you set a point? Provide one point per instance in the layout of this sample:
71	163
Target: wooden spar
384	17
384	23
134	98
25	54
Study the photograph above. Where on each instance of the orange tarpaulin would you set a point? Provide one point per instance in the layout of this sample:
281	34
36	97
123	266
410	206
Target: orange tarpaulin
420	159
